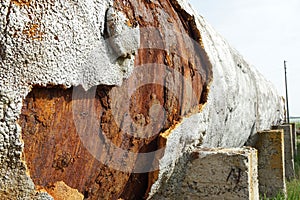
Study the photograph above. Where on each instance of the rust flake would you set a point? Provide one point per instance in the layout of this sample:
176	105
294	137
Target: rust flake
61	191
33	32
21	2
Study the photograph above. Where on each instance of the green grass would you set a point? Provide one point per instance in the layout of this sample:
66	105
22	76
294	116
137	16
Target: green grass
293	190
297	125
293	187
297	160
278	197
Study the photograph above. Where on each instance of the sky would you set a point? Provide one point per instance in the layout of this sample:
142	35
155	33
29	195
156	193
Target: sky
265	32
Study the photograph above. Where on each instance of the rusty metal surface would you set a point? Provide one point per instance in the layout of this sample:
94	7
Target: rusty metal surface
53	149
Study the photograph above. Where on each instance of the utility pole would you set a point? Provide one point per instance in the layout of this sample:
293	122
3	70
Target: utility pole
286	96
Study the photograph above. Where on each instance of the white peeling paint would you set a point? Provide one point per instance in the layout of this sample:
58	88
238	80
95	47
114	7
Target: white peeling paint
66	45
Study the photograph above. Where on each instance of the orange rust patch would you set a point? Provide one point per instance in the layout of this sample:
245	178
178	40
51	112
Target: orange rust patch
61	191
33	32
128	22
54	151
21	2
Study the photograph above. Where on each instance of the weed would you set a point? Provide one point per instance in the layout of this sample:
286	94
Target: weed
293	187
297	125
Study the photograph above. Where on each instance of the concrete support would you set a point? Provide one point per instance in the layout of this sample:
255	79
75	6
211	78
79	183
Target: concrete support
294	139
222	174
271	171
288	150
216	174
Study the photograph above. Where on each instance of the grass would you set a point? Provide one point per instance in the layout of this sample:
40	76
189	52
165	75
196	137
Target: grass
293	190
297	125
293	187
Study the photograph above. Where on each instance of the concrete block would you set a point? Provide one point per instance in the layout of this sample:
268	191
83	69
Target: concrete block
288	150
271	170
216	174
222	174
294	138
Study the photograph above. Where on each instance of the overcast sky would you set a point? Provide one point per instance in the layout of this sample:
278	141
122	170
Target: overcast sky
265	32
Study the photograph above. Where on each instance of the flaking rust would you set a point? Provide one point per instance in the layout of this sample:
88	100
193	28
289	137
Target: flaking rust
123	36
21	2
33	32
